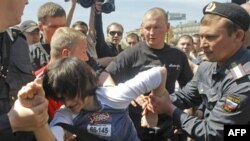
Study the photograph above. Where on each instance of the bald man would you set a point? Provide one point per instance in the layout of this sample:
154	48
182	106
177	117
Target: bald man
153	51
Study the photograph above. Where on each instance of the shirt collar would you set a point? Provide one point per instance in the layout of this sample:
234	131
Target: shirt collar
227	65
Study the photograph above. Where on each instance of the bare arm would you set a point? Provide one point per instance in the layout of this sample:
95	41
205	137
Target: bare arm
33	104
105	79
92	23
44	133
161	104
30	109
149	118
70	12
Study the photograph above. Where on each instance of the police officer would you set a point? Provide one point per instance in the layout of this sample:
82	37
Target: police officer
222	83
15	71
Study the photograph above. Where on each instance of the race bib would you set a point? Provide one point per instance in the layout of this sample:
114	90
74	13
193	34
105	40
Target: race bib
100	129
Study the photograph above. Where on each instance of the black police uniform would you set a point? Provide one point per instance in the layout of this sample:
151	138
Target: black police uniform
16	71
225	92
134	60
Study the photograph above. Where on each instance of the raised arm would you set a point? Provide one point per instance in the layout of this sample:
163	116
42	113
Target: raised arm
92	23
70	12
100	39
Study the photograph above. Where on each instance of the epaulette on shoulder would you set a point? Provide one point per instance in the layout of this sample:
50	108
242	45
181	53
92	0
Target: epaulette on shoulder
240	70
15	33
246	67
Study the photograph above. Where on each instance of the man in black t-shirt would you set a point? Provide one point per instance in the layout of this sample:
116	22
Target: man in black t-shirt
152	52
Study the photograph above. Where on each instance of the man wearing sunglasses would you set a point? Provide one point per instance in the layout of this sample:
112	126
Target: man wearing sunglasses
111	47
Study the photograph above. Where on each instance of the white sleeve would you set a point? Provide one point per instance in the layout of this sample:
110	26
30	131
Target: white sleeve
63	115
121	95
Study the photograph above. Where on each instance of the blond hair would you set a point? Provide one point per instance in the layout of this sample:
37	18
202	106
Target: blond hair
65	37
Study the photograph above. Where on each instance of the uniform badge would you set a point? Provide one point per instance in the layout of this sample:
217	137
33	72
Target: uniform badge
232	103
210	7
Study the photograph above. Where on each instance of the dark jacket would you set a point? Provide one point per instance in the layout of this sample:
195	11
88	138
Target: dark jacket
19	73
103	48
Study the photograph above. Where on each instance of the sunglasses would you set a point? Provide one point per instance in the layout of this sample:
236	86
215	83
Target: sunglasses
115	32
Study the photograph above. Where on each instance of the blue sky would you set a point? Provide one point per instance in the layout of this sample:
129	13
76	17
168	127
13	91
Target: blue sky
128	12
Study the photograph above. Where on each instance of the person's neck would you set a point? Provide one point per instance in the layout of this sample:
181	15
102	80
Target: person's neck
115	45
91	103
157	47
233	53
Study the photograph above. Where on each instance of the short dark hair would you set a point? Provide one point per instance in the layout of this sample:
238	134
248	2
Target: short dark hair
79	23
133	35
50	9
114	24
69	77
185	37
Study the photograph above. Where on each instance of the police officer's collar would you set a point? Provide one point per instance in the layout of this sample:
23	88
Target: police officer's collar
10	33
227	65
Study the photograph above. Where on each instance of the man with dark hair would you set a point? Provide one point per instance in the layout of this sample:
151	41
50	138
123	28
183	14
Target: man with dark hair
132	39
80	26
107	49
96	112
50	17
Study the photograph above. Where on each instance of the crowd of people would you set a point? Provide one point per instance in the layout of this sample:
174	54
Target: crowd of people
63	83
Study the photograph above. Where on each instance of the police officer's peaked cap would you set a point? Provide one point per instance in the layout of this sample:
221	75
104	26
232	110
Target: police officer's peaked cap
231	11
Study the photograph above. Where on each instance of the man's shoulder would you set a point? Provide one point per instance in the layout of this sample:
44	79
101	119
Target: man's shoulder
244	61
16	33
